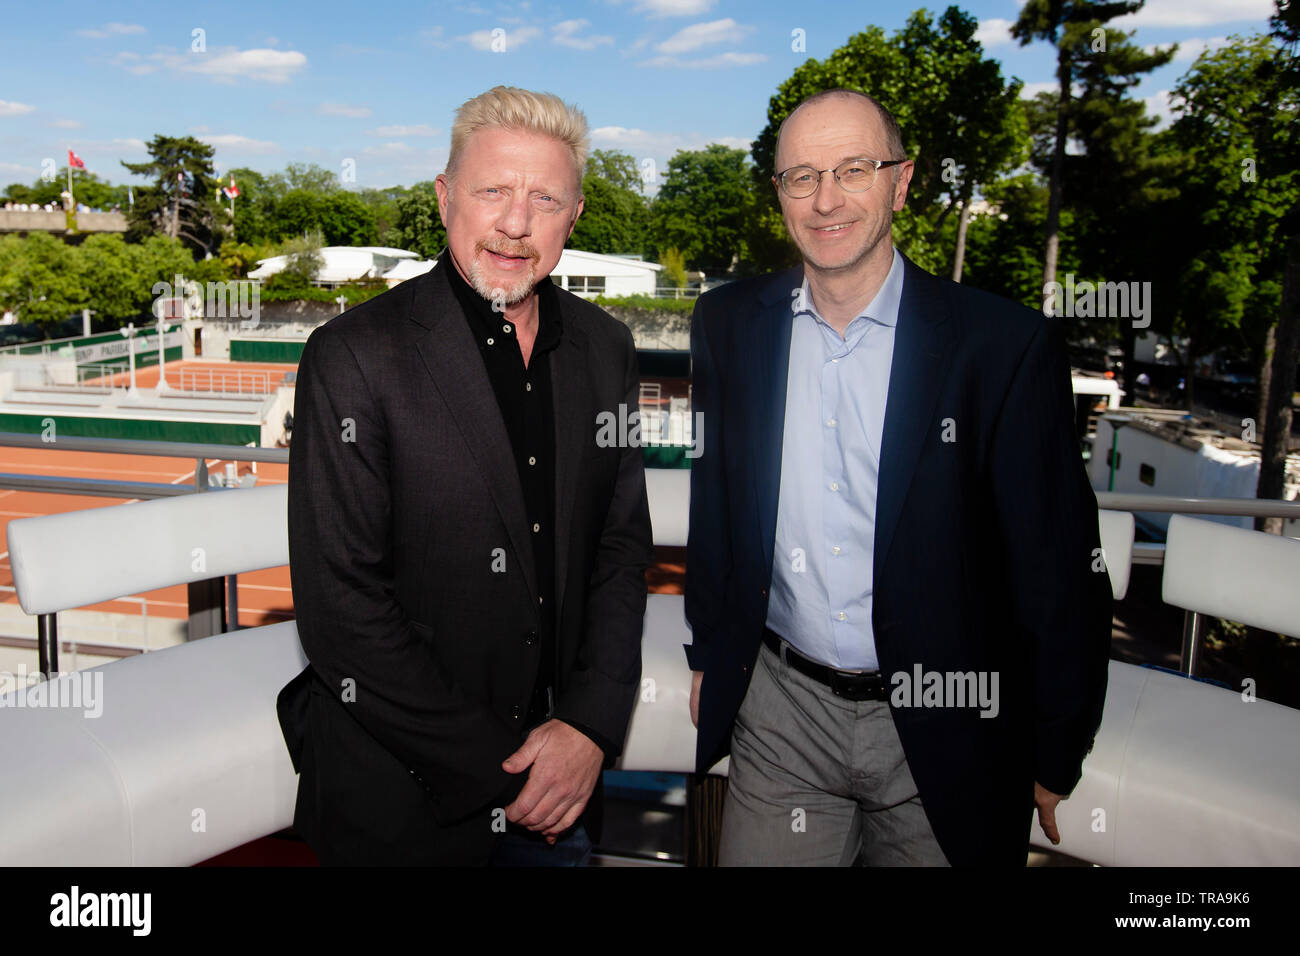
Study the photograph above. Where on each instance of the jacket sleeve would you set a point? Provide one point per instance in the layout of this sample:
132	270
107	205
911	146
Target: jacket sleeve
1060	591
358	638
601	689
708	545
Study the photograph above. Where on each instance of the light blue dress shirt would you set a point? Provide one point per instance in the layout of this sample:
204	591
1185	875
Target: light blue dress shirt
821	594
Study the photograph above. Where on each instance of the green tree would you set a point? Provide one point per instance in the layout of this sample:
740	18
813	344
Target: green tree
673	275
616	168
615	218
87	188
418	226
1278	381
39	279
182	201
1077	29
962	124
304	262
703	206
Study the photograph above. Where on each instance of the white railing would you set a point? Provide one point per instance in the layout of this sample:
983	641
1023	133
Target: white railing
228	381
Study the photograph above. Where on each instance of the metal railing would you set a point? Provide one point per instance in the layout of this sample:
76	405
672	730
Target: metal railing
227	381
212	604
211	597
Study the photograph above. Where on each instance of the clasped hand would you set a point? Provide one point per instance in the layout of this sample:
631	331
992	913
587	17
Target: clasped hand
565	765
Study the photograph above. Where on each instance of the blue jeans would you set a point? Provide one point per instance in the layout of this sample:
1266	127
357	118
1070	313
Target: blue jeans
519	846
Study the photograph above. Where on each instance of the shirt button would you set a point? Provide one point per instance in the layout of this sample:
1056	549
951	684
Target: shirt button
528	386
531	638
536	527
516	712
532	460
835	486
835	550
830	423
841	616
505	328
491	342
833	361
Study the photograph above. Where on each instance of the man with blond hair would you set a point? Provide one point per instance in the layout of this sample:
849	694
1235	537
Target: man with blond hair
468	562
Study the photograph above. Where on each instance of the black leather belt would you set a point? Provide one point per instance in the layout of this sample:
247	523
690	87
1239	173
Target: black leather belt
851	685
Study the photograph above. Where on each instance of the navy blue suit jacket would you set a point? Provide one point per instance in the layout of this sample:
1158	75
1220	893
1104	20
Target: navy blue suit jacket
986	544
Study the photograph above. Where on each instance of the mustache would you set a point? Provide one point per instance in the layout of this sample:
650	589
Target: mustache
507	247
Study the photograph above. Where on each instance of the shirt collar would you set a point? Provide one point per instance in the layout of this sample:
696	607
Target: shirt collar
882	309
485	320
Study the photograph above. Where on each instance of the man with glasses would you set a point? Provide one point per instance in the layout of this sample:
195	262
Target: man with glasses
899	613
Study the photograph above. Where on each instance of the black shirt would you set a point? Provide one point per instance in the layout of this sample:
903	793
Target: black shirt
523	396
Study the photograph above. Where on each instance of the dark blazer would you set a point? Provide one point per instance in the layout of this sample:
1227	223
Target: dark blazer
403	500
985	546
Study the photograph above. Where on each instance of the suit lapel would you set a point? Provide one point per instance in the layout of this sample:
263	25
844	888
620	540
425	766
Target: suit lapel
570	391
922	352
766	395
452	360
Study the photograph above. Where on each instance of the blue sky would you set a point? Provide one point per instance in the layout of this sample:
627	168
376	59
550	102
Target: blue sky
377	84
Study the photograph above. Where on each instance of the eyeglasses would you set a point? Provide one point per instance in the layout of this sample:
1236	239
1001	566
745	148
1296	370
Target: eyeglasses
853	175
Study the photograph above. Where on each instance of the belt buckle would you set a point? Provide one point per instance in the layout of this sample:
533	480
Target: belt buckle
854	687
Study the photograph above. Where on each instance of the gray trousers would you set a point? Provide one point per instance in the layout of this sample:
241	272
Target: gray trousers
817	780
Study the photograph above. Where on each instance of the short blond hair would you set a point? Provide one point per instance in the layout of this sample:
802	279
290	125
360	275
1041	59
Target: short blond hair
509	107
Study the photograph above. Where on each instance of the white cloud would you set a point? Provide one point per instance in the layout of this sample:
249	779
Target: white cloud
1160	105
1030	90
242	143
386	149
66	123
272	66
566	33
708	62
703	34
1196	13
343	109
419	129
1190	49
674	8
11	108
995	32
483	39
225	65
110	30
18	170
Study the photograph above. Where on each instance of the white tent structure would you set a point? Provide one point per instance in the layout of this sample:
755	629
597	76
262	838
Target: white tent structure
588	274
342	263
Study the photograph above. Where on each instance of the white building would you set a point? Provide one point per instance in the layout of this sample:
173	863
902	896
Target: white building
342	264
587	274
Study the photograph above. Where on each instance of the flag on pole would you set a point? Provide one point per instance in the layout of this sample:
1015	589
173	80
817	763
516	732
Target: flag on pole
130	196
74	161
232	190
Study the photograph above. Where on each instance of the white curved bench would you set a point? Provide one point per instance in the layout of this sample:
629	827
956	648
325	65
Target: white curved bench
1185	773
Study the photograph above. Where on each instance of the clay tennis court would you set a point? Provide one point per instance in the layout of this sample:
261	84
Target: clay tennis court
265	597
